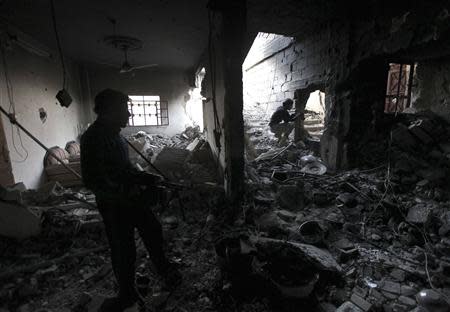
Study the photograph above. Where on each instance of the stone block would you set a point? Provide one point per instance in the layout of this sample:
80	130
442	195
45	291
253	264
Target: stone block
324	307
349	307
398	275
407	301
408	290
418	214
421	135
361	303
391	287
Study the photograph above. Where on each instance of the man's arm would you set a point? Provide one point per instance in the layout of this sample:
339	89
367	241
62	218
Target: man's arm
288	117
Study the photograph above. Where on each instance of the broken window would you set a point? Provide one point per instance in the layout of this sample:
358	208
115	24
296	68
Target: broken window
148	110
399	86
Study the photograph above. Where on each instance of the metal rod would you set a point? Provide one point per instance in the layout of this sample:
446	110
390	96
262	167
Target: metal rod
176	193
12	120
398	87
410	83
146	160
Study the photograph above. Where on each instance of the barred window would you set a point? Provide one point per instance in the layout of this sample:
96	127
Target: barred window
399	87
148	110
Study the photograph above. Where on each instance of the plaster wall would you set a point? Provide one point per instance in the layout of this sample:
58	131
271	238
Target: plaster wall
35	82
170	85
434	87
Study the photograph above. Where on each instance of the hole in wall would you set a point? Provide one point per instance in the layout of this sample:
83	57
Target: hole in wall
42	115
315	114
266	74
194	105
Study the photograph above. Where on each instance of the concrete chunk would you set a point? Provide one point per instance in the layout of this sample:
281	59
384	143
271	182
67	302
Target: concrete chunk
349	307
418	214
391	287
361	303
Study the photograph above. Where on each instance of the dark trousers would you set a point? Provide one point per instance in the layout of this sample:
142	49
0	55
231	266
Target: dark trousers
121	218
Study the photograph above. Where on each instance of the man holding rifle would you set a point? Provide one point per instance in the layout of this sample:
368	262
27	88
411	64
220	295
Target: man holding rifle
117	185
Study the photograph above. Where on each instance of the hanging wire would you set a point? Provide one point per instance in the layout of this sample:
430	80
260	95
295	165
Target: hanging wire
58	42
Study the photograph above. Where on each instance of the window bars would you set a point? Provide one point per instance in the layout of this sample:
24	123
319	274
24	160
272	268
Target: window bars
148	110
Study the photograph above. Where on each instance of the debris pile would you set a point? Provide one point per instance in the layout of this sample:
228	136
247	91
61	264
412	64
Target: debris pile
151	144
361	240
65	265
50	240
389	238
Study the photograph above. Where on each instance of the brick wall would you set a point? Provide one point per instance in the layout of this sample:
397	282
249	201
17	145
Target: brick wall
285	68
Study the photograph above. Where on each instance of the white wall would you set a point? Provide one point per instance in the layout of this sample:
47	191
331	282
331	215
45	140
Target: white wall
35	82
170	85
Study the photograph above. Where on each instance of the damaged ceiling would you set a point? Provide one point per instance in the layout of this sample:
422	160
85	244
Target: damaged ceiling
174	33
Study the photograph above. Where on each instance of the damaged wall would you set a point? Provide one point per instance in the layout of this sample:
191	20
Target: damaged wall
433	79
35	82
333	51
223	86
171	85
267	67
417	32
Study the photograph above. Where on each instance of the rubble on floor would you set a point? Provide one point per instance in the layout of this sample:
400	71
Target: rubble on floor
388	234
66	266
152	144
260	139
365	239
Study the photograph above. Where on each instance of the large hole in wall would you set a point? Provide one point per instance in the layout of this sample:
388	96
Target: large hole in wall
315	114
194	106
267	71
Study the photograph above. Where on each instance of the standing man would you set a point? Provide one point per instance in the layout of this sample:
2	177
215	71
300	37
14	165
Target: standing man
107	171
282	123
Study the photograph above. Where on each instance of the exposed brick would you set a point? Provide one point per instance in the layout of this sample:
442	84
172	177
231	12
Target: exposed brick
361	303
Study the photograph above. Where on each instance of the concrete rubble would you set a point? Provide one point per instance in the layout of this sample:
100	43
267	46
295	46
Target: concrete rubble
367	239
386	226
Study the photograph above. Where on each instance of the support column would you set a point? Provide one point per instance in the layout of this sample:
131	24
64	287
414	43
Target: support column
232	42
301	98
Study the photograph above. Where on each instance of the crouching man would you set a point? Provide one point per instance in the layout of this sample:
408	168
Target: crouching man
107	171
282	123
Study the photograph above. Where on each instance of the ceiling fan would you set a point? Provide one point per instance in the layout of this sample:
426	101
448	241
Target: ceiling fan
125	44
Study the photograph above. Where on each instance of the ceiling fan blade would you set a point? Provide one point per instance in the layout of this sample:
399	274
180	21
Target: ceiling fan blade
145	66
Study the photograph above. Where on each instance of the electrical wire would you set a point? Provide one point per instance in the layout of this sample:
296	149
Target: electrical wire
58	42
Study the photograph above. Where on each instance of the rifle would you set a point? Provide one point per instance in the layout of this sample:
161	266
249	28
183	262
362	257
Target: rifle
165	183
